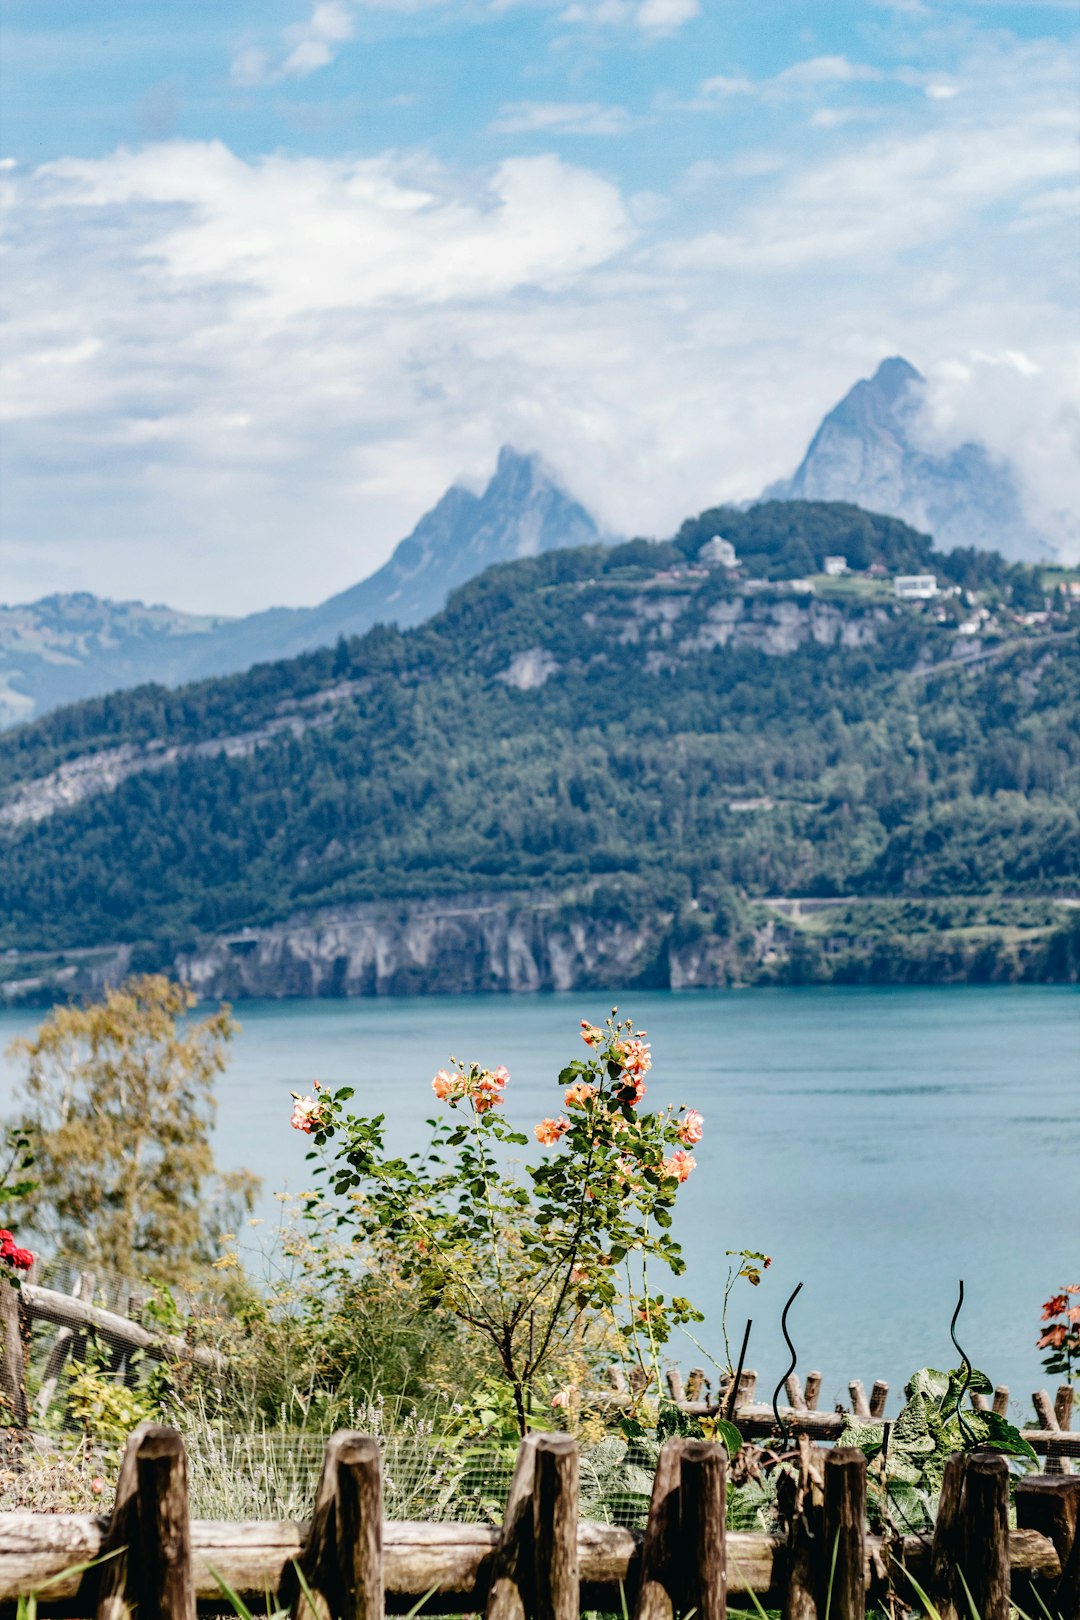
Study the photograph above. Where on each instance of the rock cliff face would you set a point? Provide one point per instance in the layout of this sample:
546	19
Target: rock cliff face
458	945
872	450
465	945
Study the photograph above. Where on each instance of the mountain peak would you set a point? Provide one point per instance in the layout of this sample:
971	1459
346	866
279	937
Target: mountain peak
875	450
894	375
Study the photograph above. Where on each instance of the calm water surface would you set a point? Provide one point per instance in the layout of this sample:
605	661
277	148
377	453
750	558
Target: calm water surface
880	1144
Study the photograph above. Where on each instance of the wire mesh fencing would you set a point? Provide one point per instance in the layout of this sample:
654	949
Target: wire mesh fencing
86	1380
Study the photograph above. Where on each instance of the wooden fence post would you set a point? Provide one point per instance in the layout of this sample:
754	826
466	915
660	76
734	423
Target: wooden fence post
342	1561
83	1289
556	1491
845	1534
658	1590
703	1528
1050	1504
12	1354
511	1573
116	1597
147	1547
165	1584
945	1549
813	1390
984	1555
799	1497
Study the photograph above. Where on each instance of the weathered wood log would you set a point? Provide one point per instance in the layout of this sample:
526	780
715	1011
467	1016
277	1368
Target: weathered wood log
946	1546
1001	1400
675	1385
844	1539
1050	1414
1050	1505
1063	1406
756	1422
61	1348
799	1498
556	1495
813	1390
113	1584
794	1391
164	1583
984	1554
12	1353
78	1314
359	1530
342	1560
659	1588
511	1578
878	1396
455	1560
695	1383
860	1406
617	1380
1029	1554
703	1528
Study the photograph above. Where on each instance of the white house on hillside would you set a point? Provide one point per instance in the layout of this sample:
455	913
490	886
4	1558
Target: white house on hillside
835	566
915	587
718	553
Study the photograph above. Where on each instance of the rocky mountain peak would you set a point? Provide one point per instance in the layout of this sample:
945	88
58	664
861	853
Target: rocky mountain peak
875	449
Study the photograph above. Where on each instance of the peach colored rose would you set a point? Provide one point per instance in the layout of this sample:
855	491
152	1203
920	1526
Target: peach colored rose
692	1127
680	1165
548	1131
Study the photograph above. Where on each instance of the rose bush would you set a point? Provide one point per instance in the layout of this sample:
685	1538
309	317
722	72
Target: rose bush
522	1255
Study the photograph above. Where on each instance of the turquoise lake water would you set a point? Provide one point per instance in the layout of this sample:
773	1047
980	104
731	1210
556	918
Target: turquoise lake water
879	1143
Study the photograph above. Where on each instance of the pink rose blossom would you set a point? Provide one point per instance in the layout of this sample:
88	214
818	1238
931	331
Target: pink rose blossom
680	1165
692	1127
306	1114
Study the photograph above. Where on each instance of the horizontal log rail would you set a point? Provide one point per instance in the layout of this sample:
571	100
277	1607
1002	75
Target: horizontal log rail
1053	1439
457	1559
544	1563
69	1311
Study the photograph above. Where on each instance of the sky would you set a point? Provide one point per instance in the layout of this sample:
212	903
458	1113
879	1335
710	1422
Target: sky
276	274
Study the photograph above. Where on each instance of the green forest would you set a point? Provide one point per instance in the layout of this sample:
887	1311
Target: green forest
637	760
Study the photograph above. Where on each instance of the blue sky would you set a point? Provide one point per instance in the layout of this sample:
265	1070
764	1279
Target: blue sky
277	273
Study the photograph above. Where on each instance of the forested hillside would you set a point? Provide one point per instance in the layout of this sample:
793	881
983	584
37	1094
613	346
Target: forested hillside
621	726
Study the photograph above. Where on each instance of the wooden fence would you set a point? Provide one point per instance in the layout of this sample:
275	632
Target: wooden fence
1053	1438
543	1562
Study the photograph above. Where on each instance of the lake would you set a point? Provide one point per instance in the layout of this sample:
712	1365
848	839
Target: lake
879	1143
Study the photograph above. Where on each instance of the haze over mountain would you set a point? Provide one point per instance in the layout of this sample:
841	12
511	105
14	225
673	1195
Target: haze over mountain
873	450
68	647
870	451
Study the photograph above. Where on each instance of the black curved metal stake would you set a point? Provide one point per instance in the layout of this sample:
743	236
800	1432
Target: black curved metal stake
781	1425
965	1429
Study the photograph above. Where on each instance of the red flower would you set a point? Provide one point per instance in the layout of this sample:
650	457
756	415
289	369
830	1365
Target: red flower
12	1255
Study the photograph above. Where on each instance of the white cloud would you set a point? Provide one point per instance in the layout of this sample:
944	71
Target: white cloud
653	18
561	117
308	46
235	382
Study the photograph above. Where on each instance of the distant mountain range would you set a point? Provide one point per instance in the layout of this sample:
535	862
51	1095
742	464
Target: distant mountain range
68	647
868	452
871	450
